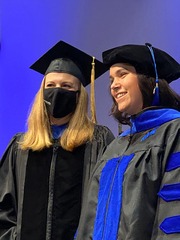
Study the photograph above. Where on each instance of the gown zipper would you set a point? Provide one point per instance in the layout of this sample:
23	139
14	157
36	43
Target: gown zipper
51	190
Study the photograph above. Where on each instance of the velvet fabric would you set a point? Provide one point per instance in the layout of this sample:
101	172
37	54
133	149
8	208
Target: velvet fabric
67	194
153	141
106	223
57	130
170	192
36	195
151	118
140	57
171	225
173	162
32	198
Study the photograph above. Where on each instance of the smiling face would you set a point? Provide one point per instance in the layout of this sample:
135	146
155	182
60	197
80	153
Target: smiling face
125	89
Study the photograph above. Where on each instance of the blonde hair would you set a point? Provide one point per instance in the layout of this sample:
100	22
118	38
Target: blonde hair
38	135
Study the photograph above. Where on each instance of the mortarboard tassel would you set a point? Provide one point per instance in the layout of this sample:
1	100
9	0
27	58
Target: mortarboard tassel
156	89
156	94
93	109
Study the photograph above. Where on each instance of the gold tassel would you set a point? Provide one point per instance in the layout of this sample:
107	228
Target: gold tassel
93	108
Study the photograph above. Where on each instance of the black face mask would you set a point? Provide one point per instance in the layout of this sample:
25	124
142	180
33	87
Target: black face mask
60	102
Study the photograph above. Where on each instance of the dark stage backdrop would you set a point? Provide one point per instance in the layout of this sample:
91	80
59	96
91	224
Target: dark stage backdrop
30	28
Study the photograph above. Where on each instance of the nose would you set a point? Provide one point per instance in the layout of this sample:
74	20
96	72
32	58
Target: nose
58	85
115	85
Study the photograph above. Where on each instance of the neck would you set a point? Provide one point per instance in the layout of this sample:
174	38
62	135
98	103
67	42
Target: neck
60	121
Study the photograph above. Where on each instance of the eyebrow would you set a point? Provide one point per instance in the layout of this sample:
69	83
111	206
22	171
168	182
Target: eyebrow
54	81
119	71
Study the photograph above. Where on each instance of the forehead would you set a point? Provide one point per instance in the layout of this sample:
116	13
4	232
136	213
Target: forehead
122	66
56	76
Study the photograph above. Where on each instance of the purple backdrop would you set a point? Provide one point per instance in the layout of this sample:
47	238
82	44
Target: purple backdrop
29	28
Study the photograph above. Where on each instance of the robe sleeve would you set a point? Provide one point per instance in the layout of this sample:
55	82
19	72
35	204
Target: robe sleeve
167	222
8	194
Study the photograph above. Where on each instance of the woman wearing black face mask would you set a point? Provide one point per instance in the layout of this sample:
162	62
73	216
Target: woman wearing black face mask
58	96
44	172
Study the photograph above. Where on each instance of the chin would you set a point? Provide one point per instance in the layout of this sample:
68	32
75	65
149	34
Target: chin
122	109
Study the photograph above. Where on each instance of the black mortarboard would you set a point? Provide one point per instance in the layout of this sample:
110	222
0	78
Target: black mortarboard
140	57
63	57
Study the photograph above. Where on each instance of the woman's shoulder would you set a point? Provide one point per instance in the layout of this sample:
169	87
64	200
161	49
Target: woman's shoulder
15	140
102	128
17	137
171	126
12	147
103	131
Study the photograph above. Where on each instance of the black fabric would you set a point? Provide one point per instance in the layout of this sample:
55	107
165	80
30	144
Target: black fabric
36	195
63	57
140	57
60	102
13	182
67	193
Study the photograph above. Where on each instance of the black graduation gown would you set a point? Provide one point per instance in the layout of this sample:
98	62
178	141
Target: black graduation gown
41	192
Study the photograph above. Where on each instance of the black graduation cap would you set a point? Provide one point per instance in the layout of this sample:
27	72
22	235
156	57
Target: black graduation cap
140	57
63	57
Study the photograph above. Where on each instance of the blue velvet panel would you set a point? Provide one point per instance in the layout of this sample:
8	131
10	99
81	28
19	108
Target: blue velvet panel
171	225
173	162
152	132
57	130
110	198
170	192
153	118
